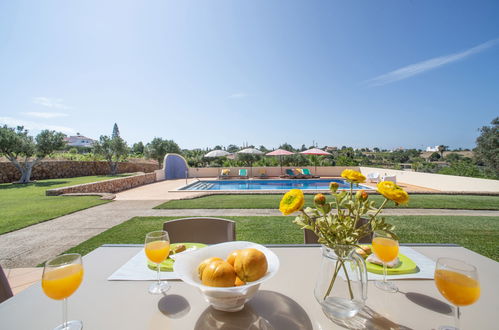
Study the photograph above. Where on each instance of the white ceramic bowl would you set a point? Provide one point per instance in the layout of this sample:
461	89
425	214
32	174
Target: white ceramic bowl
230	299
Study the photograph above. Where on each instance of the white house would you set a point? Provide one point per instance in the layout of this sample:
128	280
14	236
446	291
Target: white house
432	149
79	141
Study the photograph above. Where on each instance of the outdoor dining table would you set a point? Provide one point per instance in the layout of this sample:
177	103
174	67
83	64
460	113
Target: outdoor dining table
286	301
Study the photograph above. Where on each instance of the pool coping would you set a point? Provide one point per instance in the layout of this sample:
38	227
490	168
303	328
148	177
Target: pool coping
273	191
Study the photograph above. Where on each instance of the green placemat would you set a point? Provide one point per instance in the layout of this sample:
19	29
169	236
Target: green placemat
406	266
167	265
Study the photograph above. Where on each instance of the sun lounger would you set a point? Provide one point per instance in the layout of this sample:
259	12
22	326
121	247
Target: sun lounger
243	173
307	174
224	174
291	174
262	174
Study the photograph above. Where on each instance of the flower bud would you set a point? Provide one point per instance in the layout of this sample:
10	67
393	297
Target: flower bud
361	195
365	195
320	199
333	186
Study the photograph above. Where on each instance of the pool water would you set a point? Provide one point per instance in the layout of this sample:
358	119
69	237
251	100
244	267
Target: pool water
270	185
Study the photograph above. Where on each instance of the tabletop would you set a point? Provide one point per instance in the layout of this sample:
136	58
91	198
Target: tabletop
284	302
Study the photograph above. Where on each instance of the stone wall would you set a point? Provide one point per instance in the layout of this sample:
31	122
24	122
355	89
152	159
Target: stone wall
450	183
107	186
53	169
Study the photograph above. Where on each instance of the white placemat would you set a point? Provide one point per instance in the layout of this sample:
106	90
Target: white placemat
425	265
136	269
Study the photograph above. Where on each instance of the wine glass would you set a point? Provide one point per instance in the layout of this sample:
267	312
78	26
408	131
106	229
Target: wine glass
61	277
157	248
386	248
458	282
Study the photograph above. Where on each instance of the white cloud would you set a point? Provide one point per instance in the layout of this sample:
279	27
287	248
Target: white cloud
46	115
34	126
237	95
50	102
418	68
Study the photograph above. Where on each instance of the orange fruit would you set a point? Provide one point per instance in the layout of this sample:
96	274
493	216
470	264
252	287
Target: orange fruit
250	265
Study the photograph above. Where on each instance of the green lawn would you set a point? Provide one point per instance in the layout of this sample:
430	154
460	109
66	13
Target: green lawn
272	202
22	205
479	234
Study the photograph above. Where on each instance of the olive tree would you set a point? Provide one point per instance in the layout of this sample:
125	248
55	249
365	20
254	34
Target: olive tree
158	148
24	151
487	148
114	149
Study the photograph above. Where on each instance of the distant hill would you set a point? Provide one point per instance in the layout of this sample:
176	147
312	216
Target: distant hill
469	154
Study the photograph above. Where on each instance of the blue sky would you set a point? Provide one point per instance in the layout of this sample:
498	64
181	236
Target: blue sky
206	73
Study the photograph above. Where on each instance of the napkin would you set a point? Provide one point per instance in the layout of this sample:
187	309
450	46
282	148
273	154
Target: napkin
426	267
136	269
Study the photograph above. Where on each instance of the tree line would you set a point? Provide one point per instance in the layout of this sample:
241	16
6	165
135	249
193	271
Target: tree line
25	152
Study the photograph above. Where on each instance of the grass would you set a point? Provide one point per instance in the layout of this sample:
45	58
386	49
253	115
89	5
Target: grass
479	234
23	205
469	202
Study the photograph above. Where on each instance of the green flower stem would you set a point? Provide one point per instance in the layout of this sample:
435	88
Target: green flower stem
348	280
337	268
381	207
339	264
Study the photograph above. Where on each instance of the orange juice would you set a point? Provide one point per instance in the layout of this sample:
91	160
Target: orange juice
157	251
60	283
386	249
459	289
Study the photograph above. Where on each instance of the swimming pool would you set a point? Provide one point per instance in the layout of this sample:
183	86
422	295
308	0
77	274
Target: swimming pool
232	185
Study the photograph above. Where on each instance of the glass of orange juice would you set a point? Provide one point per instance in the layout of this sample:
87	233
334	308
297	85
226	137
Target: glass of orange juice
157	248
386	248
61	277
458	282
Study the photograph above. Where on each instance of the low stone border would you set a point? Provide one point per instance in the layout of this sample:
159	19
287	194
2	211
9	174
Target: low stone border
276	192
103	196
106	186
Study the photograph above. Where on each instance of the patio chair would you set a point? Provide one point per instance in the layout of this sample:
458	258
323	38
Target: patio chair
224	174
392	178
200	230
243	173
309	236
373	177
5	290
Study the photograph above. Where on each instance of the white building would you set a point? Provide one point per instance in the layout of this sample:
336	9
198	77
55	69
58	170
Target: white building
432	149
79	141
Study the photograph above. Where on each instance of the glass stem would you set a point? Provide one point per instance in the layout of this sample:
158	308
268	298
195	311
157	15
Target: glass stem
458	315
384	272
65	312
159	277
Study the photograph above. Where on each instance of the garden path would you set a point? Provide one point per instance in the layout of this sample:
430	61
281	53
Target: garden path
33	245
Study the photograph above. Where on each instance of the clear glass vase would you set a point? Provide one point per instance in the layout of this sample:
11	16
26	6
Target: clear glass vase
341	287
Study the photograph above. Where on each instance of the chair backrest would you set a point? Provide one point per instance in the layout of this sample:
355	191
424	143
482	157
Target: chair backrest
5	290
243	172
225	171
290	171
201	230
392	178
306	171
309	236
373	175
